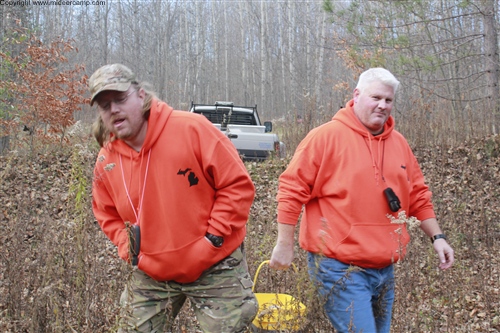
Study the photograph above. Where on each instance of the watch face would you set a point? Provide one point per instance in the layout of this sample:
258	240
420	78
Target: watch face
216	240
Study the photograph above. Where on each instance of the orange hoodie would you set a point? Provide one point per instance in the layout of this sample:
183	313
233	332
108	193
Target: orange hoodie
190	181
339	172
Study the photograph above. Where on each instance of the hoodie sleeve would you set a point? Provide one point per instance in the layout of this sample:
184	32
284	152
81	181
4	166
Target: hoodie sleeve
234	189
297	181
106	214
420	196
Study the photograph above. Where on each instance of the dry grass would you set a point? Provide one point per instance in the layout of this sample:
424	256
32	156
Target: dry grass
59	273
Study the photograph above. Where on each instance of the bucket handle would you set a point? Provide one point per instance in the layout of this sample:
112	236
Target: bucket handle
259	268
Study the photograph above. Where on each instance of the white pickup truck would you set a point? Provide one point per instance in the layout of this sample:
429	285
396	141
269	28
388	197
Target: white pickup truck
241	124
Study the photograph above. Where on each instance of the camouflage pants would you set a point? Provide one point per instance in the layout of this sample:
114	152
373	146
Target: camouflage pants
222	299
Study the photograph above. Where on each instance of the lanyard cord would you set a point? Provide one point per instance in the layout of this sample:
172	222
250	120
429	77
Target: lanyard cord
136	213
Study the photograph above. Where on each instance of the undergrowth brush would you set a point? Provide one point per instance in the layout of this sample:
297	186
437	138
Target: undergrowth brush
59	273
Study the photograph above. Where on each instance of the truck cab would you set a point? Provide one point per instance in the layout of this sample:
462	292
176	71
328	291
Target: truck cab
241	124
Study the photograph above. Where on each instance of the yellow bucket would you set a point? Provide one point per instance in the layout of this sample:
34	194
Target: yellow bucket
278	311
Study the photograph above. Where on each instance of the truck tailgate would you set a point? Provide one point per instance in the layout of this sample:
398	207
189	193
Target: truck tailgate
251	141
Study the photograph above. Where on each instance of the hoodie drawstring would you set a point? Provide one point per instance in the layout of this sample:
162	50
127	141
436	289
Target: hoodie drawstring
380	158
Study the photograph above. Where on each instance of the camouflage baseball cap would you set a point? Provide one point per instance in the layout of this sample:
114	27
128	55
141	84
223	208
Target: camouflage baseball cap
110	77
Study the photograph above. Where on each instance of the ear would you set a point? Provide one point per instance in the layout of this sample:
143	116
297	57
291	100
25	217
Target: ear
141	93
355	95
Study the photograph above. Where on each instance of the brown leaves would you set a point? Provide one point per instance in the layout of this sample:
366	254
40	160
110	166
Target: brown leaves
44	94
38	266
465	183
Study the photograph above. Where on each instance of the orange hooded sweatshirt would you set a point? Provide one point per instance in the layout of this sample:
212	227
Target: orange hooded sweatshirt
190	181
339	172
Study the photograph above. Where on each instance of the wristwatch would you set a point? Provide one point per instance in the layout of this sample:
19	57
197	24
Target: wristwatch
438	236
216	240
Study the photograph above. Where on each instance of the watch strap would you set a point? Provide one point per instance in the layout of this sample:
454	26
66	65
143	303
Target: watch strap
215	240
438	236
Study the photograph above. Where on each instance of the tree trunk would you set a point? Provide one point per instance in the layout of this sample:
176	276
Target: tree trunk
492	60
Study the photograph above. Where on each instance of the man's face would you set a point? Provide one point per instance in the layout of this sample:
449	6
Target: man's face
373	106
121	113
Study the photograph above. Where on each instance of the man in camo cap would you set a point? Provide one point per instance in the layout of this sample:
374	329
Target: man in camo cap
171	192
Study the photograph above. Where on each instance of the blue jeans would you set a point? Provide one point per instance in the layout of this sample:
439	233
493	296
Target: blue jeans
355	299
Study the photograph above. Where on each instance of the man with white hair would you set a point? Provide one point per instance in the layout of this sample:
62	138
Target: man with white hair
355	176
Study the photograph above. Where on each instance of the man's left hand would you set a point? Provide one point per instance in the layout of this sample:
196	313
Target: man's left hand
445	253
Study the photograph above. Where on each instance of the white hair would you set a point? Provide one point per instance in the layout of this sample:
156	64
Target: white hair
377	74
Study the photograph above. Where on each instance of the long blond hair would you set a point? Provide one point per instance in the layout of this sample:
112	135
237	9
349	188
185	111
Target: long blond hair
101	133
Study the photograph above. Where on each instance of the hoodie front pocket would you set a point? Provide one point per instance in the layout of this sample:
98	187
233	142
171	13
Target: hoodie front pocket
373	245
182	265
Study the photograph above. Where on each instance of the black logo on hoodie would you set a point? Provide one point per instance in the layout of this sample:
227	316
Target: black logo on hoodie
193	180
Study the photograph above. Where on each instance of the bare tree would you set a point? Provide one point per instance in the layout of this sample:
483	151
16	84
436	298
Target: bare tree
254	52
444	52
492	63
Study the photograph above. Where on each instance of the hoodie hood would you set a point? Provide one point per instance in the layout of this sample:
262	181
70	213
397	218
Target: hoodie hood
374	143
158	117
349	118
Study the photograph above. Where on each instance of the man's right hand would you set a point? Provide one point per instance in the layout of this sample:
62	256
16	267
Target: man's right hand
282	255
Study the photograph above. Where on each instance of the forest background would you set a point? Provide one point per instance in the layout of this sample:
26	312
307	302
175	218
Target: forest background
295	60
